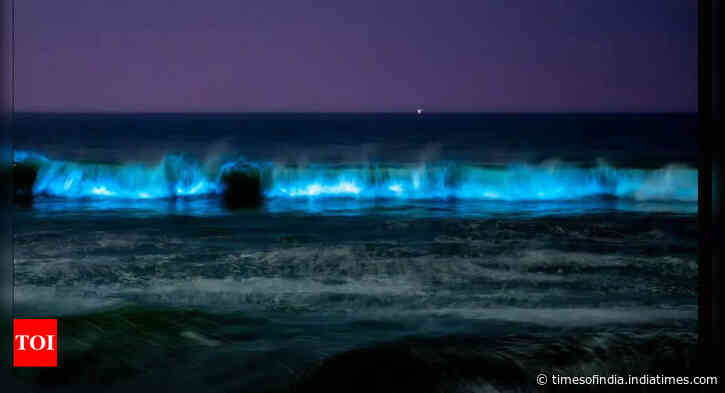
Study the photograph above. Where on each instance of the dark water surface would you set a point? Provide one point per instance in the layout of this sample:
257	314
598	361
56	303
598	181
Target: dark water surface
622	139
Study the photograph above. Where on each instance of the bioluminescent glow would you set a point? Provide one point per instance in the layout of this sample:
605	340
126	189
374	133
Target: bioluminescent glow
173	176
177	175
518	182
317	189
100	191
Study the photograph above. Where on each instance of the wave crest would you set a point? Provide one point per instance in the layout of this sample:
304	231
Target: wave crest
181	176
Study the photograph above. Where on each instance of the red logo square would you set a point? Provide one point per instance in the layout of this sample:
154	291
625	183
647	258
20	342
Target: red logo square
35	343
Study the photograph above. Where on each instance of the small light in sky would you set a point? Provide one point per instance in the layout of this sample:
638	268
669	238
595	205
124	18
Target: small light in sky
420	111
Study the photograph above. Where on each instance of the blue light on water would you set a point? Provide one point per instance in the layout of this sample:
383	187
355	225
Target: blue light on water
518	182
177	175
173	176
316	189
101	190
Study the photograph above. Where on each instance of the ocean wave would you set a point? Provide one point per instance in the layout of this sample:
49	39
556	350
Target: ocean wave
183	176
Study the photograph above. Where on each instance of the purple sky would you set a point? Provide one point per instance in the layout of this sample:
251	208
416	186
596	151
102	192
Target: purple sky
362	55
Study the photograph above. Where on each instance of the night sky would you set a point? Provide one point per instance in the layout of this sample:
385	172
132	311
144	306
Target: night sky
364	55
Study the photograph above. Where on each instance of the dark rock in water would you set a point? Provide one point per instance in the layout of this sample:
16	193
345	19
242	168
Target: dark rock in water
493	364
412	365
24	176
242	187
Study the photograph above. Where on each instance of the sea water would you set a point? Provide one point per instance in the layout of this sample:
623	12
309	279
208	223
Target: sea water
514	233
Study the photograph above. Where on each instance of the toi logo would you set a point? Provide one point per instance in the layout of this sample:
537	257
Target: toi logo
35	343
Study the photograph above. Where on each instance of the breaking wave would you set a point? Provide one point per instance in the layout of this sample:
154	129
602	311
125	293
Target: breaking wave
182	176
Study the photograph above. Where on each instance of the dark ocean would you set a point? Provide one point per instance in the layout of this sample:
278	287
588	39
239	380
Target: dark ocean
390	252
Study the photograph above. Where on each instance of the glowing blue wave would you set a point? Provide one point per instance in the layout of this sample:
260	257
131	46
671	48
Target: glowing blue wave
174	176
177	176
511	183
